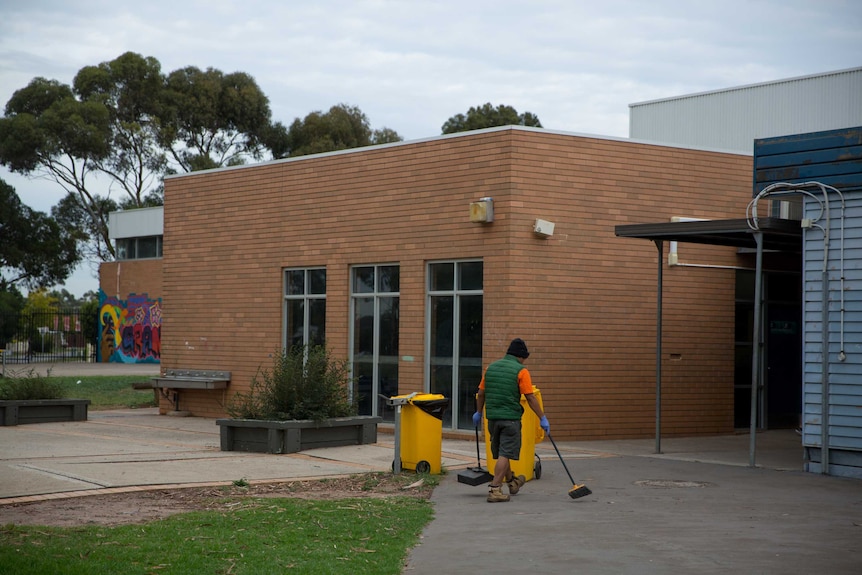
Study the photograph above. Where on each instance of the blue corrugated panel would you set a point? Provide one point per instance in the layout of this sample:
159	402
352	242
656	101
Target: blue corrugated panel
844	333
833	157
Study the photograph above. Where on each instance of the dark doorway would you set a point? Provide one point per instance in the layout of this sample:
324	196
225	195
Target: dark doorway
783	366
781	392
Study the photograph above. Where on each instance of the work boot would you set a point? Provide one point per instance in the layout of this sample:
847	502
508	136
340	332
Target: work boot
516	483
496	495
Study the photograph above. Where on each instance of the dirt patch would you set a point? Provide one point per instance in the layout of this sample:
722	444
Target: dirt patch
145	506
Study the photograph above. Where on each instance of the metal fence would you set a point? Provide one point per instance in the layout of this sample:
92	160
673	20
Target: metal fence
47	336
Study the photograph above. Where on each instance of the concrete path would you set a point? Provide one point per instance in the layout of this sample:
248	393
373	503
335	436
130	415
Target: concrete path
649	515
695	508
82	369
140	448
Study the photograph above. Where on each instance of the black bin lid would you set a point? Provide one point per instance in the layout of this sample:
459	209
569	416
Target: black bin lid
435	407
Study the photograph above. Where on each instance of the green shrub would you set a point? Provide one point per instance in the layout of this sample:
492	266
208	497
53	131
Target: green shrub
30	386
305	382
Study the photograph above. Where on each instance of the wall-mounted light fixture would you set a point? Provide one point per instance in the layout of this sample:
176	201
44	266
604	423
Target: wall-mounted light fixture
482	211
543	228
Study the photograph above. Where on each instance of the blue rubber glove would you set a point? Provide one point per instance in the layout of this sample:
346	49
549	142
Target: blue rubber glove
477	419
543	423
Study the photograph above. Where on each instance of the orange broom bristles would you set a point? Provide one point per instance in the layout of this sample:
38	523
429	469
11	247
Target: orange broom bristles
579	491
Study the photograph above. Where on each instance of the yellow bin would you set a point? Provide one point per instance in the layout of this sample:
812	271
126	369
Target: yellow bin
422	432
531	434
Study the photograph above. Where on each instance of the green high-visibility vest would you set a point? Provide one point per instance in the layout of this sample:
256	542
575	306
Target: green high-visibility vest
502	395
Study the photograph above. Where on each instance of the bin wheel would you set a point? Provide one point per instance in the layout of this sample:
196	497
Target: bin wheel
423	467
537	470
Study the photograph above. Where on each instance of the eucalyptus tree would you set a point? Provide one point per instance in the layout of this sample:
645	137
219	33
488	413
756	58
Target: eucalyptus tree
487	116
212	119
129	124
340	128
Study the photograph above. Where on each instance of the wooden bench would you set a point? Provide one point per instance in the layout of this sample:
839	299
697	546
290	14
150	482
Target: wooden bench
174	380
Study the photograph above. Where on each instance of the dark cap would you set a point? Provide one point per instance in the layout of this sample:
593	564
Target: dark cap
518	348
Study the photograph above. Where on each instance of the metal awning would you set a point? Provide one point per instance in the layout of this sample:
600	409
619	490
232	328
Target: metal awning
772	234
778	234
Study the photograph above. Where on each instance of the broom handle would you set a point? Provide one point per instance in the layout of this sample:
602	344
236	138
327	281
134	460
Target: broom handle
478	457
561	458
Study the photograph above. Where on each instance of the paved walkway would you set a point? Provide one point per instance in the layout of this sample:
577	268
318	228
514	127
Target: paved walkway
81	369
695	508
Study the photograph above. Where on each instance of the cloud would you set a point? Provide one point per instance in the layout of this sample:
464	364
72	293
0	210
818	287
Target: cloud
411	65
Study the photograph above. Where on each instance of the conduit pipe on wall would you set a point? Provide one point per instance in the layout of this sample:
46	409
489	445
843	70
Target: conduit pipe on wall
783	188
119	266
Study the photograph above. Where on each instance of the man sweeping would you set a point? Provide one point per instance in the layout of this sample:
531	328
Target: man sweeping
499	394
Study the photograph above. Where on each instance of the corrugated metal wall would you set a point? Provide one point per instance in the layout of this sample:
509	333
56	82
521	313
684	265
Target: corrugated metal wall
731	119
833	158
138	223
843	334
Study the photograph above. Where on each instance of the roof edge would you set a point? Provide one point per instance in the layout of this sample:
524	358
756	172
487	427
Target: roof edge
457	135
746	87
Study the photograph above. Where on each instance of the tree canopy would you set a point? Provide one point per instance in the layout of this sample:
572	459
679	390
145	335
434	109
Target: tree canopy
36	251
487	116
341	128
211	119
128	122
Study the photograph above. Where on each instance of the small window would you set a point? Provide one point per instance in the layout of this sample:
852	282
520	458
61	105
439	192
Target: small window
139	248
126	249
148	247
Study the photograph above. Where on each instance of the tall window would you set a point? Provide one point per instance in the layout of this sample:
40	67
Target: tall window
455	337
304	307
374	336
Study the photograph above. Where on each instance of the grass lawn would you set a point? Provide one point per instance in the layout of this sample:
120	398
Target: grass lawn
104	391
109	392
256	536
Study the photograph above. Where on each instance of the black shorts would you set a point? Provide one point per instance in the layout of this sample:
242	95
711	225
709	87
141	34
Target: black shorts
505	438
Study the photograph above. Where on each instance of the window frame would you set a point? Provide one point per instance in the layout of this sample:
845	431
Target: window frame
127	246
376	295
456	293
306	297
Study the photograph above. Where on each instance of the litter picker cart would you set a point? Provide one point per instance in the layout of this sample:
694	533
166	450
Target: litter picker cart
418	431
529	464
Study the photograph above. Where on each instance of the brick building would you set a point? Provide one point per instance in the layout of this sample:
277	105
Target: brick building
130	288
375	250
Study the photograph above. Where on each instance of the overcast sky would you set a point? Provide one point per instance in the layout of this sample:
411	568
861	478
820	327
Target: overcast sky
409	65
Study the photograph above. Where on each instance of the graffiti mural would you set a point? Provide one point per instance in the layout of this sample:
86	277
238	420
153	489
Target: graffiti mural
129	330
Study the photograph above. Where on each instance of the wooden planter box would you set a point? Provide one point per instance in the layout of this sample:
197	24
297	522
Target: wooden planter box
18	412
260	436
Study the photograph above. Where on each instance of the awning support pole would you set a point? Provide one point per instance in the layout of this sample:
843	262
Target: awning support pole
659	244
756	355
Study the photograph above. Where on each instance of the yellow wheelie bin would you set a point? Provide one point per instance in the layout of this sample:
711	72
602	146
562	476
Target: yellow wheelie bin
528	464
422	432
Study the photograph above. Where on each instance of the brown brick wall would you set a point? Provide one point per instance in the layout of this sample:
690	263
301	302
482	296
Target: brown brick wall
591	314
121	279
583	299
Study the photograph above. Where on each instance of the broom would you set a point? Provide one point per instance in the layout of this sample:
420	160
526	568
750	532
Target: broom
577	490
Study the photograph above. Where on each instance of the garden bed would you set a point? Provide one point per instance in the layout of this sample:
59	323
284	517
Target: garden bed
23	411
261	436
